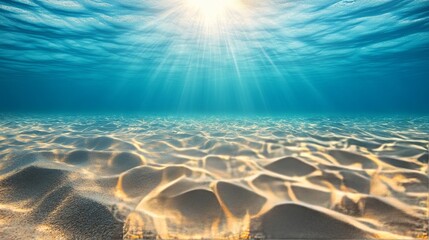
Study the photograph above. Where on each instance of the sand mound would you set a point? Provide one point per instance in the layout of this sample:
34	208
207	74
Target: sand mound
53	203
191	212
351	158
19	160
272	185
80	217
124	161
327	179
78	157
183	185
312	196
31	183
291	166
298	221
50	202
400	163
104	143
355	181
239	200
199	206
140	181
392	217
216	165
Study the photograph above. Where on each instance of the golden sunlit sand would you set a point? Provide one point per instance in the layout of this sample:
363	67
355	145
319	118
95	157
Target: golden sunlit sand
192	178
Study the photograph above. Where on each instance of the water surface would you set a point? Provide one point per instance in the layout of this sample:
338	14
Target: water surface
207	55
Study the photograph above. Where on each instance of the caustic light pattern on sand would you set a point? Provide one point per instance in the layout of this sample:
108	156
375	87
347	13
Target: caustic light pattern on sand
157	177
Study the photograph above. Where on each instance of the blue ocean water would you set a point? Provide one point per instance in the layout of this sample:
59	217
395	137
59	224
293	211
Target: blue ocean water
241	56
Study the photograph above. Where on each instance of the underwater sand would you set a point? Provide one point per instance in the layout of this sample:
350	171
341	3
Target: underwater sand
112	177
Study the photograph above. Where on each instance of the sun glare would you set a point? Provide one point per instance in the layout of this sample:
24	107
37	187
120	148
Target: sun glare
213	11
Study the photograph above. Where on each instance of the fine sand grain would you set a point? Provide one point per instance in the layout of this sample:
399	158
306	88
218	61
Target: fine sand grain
110	177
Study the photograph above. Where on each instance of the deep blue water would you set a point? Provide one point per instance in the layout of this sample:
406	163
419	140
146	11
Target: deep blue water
215	56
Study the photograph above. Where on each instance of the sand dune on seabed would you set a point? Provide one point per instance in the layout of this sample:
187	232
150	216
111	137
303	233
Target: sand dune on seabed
110	177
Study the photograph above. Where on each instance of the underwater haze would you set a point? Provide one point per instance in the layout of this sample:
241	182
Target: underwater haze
241	56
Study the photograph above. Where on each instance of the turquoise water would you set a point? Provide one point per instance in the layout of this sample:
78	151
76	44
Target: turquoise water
233	56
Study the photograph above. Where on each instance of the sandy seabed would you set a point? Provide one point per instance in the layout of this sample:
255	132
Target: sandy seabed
111	177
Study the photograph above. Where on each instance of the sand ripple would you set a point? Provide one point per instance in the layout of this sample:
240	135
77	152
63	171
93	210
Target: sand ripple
111	177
